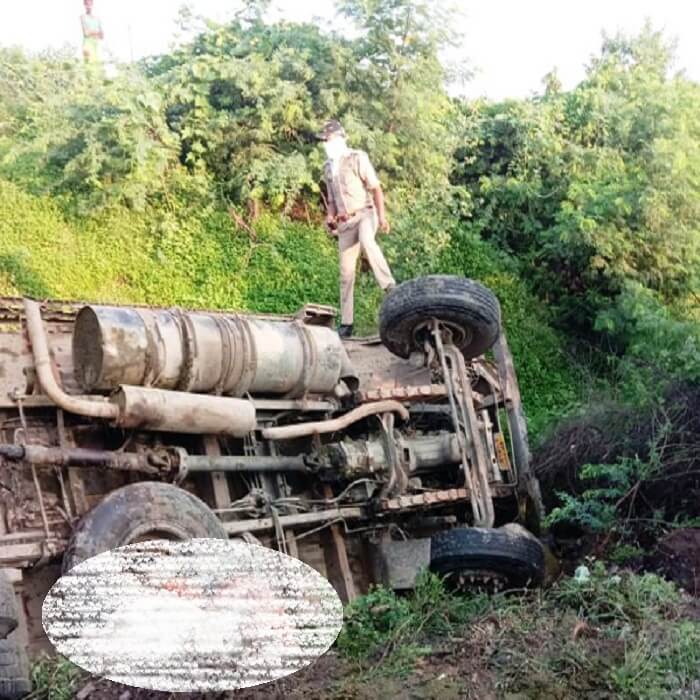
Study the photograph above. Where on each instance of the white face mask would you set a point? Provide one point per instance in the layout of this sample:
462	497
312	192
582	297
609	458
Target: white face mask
335	148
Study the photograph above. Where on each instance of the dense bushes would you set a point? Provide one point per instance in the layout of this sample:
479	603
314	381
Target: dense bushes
594	189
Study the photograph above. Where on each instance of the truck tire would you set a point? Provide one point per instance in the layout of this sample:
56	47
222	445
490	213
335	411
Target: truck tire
148	510
510	553
469	309
14	665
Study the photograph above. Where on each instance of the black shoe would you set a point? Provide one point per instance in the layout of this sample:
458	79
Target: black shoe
345	331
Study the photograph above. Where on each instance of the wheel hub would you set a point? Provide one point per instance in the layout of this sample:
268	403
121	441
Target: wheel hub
451	333
479	580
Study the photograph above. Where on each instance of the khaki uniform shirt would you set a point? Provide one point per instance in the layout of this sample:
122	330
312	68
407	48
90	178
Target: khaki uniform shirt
350	188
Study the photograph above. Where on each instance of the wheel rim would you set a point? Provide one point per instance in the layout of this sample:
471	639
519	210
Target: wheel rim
479	579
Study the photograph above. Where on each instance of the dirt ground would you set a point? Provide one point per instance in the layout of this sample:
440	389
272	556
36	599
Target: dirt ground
440	676
677	558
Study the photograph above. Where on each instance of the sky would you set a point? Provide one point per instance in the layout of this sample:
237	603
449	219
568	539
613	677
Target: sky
510	44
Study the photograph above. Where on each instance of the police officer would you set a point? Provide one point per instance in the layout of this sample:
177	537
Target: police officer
355	210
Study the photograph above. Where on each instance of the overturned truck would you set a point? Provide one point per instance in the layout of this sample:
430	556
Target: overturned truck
369	459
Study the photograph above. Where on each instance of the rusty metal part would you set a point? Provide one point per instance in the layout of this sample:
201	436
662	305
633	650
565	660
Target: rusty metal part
42	363
432	451
317	315
459	391
79	457
40	500
403	393
63	442
424	499
148	462
289	432
204	352
27	547
486	430
175	411
236	527
303	405
397	461
398	562
433	498
527	481
206	463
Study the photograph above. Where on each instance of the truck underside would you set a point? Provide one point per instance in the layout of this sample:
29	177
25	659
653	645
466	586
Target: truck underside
348	455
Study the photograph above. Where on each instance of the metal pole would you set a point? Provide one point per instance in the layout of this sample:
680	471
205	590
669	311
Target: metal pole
206	463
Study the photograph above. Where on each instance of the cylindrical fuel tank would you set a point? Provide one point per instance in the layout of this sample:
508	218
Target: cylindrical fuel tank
204	352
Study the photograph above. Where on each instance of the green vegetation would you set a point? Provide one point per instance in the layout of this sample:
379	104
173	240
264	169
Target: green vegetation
621	635
382	631
55	679
193	178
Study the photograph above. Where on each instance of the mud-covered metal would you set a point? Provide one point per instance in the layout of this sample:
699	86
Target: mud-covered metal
356	458
179	412
320	474
79	457
199	615
204	352
335	424
42	366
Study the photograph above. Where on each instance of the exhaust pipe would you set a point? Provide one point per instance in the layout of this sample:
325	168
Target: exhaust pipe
180	412
138	407
96	408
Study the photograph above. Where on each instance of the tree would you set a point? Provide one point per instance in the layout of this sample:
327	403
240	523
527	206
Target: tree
594	188
399	82
72	133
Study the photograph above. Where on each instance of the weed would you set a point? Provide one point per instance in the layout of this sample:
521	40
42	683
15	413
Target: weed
54	679
660	663
385	628
620	598
623	553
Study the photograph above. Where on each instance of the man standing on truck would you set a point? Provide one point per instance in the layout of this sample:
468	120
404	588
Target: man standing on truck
355	210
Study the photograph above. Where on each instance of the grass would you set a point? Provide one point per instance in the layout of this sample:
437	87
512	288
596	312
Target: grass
385	633
619	636
55	679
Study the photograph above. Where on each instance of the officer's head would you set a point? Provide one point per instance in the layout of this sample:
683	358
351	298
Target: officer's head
88	5
332	137
331	129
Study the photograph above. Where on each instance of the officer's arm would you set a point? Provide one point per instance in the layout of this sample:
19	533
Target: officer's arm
331	209
369	177
378	196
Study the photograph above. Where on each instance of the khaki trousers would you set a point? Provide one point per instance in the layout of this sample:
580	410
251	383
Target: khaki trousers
359	234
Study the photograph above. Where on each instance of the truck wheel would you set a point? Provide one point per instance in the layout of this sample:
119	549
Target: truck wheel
148	510
14	665
467	308
510	556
